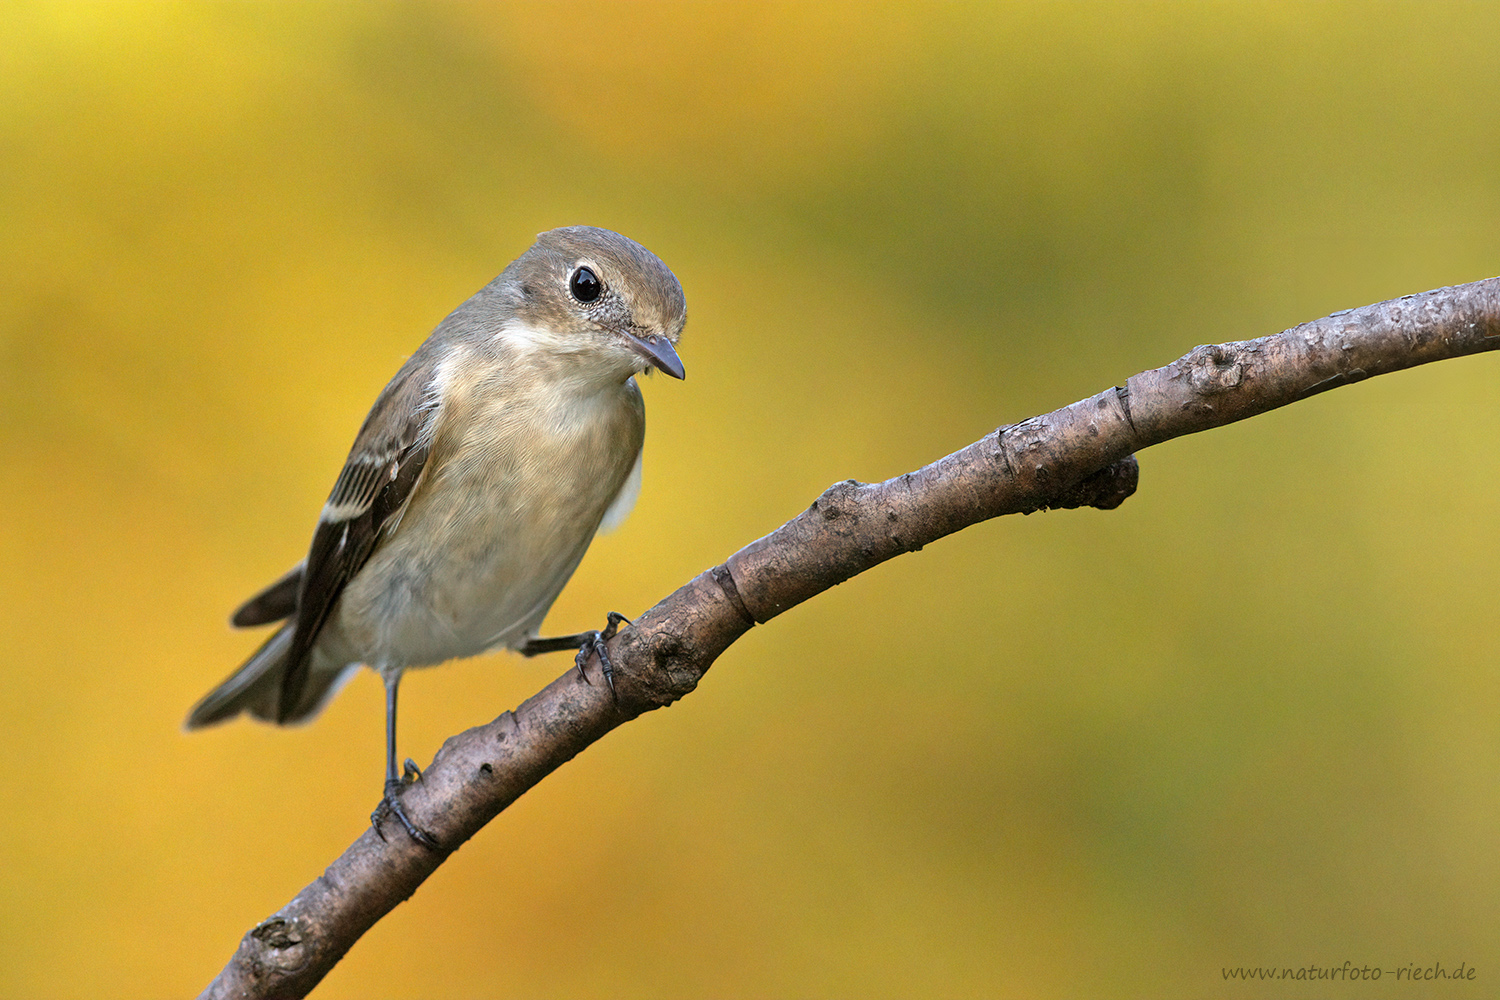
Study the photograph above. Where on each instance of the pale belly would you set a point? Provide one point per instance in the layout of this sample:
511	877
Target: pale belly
476	563
410	610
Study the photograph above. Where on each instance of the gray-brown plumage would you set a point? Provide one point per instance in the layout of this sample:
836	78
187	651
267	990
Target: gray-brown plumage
474	487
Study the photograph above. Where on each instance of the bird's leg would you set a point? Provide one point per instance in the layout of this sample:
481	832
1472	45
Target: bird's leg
393	784
592	641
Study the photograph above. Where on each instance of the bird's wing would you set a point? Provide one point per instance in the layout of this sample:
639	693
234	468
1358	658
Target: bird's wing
379	478
272	604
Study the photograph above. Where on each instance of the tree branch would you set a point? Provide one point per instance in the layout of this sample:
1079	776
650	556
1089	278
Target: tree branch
1080	455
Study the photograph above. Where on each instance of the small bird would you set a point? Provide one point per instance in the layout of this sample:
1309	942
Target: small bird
504	444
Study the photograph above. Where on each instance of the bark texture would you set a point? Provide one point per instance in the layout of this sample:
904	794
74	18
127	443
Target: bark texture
1080	455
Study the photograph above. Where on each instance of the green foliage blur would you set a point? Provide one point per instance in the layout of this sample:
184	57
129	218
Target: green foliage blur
1250	718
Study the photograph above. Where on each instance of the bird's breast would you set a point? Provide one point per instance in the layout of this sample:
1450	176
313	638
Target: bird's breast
510	499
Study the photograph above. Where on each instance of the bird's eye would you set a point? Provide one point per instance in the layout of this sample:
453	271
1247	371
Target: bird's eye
585	285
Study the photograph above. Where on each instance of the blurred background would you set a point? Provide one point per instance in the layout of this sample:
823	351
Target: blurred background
1250	718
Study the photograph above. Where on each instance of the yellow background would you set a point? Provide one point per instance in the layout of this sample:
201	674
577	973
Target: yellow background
1250	718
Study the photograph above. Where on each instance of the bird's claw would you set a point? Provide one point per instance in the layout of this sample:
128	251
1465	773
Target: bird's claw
392	804
596	643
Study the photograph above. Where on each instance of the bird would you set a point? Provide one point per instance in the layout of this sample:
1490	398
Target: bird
483	471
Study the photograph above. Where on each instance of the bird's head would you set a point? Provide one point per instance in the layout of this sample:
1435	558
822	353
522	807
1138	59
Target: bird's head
598	295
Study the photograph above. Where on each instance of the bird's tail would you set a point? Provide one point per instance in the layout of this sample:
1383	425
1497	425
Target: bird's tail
256	687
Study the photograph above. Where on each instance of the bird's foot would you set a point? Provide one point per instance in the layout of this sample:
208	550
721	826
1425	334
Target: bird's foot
595	642
392	804
587	643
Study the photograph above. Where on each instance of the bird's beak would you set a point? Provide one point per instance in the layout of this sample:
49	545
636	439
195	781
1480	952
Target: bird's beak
659	351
